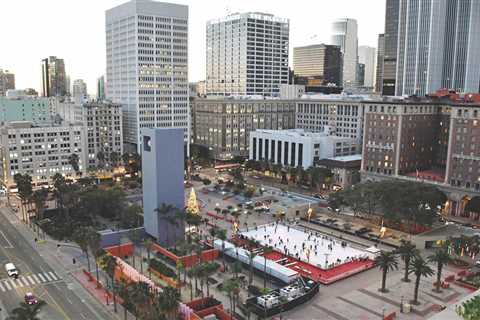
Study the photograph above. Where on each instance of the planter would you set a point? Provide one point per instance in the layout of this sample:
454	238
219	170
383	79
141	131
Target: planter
170	281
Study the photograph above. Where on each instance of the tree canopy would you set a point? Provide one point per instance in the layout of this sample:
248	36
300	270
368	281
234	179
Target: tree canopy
395	200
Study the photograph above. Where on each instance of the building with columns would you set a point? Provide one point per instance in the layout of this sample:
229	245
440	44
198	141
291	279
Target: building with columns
298	148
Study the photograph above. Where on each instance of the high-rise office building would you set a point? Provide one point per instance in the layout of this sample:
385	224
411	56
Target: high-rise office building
7	81
366	56
380	62
319	62
438	45
147	66
247	54
344	35
79	88
101	88
390	47
54	80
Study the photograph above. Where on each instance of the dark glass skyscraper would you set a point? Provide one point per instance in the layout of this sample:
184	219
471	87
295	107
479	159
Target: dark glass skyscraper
390	48
380	58
53	77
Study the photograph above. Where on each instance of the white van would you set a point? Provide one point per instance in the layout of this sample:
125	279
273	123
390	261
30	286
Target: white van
11	270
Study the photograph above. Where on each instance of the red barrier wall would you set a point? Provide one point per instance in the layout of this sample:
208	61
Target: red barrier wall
187	261
121	250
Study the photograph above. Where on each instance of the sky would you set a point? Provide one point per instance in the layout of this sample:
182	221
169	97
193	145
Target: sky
75	31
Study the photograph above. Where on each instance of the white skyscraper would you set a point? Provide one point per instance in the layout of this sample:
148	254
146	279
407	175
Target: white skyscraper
367	56
247	54
147	65
438	46
344	35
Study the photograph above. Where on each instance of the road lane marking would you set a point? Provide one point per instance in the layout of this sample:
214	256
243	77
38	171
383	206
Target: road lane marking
7	285
53	275
31	280
18	282
47	276
13	284
41	277
1	287
9	246
36	278
25	281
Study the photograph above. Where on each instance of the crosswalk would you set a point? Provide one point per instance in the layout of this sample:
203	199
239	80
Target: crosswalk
28	280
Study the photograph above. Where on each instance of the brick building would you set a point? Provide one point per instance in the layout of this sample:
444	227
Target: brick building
434	140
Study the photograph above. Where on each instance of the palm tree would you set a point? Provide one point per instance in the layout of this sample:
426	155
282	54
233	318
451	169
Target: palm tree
166	211
136	238
73	160
441	257
39	198
167	303
419	267
110	263
407	250
81	236
386	261
147	243
251	255
27	311
94	244
222	235
101	159
114	158
266	250
231	288
210	269
25	191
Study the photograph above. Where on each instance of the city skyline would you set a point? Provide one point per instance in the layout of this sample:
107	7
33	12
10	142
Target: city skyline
86	41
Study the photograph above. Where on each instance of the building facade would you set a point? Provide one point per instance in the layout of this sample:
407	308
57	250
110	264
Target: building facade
40	152
297	147
345	169
291	91
25	108
429	140
319	62
380	63
79	89
54	79
101	88
147	66
224	125
7	81
102	125
366	56
342	116
390	47
438	45
163	159
344	35
247	54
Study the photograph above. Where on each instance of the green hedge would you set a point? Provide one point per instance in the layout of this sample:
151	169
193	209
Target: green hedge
159	266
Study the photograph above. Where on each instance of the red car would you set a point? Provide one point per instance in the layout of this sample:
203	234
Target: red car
30	298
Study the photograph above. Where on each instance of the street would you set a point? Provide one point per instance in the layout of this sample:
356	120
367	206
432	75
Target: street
49	282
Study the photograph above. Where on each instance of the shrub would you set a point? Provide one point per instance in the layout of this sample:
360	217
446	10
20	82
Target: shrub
159	266
206	182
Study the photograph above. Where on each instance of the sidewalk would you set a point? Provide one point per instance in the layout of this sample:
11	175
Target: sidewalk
101	295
